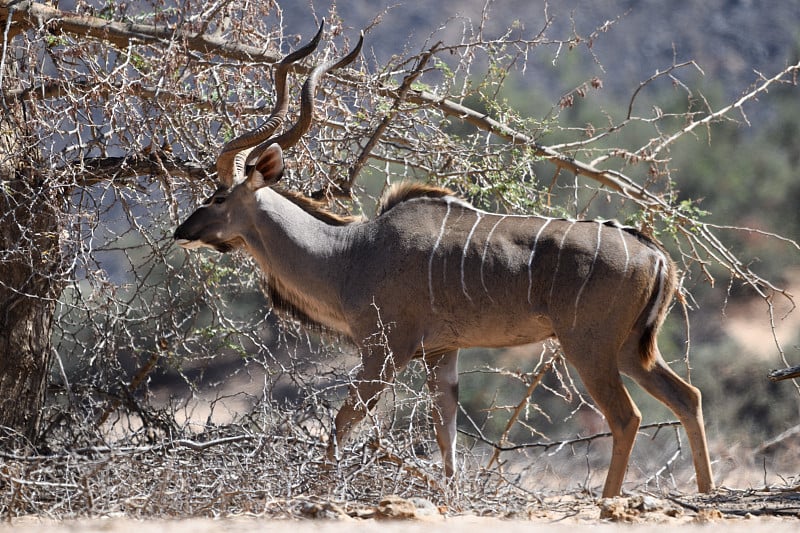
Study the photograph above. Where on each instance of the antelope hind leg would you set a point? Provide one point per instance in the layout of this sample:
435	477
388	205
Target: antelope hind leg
685	401
598	370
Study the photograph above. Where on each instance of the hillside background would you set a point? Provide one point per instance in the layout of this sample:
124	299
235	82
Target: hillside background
731	40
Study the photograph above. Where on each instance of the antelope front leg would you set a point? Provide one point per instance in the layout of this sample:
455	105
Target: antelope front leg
443	383
375	375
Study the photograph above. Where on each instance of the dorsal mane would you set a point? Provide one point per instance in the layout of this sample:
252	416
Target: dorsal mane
408	190
645	237
317	209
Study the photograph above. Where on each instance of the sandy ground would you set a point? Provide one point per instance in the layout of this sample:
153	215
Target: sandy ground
455	524
735	511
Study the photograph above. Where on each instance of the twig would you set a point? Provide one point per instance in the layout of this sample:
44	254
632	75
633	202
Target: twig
134	384
400	97
537	379
651	153
775	441
389	457
200	446
562	443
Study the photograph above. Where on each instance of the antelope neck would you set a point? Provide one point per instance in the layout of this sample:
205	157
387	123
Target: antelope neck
301	255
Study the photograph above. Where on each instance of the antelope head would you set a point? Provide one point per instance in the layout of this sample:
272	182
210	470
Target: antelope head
255	160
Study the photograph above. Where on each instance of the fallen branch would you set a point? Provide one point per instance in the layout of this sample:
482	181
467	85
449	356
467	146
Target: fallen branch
200	446
128	450
752	511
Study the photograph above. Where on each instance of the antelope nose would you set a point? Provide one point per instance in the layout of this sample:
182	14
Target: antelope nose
181	236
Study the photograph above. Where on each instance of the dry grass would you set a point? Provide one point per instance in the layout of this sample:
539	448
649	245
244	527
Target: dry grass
273	467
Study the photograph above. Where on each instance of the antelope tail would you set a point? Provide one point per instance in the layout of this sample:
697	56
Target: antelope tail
657	307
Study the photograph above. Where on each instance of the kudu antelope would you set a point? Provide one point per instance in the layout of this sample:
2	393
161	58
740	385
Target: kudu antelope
444	276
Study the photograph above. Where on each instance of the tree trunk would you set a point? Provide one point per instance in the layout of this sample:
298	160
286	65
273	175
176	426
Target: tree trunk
29	258
30	266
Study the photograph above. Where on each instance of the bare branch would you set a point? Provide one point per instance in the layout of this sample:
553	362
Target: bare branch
537	379
402	92
96	170
648	153
30	15
561	444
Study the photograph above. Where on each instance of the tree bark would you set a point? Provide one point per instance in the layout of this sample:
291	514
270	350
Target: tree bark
30	264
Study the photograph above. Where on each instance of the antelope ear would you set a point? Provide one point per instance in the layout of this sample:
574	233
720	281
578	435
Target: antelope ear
267	169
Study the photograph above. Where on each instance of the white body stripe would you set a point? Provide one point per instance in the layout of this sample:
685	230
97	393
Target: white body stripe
625	247
530	258
452	200
558	261
588	274
464	255
433	253
483	256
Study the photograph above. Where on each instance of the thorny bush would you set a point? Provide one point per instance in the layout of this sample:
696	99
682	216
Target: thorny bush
175	390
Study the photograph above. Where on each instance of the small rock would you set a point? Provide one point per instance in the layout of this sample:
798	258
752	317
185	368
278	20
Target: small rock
708	515
396	508
323	511
617	510
646	504
424	507
673	512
